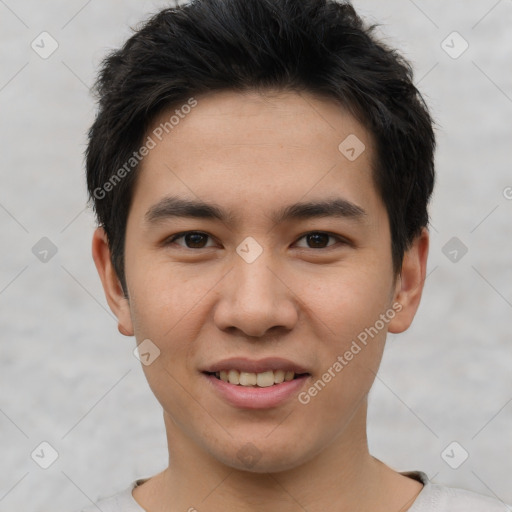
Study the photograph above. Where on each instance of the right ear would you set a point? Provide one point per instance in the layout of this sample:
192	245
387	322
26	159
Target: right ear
111	285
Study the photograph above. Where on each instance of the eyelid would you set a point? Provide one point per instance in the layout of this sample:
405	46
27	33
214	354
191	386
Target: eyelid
339	238
171	239
182	234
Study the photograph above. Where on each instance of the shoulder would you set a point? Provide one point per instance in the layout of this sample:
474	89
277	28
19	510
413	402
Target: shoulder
439	498
460	500
121	502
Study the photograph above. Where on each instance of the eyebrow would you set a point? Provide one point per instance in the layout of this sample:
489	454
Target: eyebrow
172	206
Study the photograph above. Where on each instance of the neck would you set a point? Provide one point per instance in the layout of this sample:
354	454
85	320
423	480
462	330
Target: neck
343	477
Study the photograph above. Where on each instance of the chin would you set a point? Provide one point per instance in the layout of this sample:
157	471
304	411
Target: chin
263	456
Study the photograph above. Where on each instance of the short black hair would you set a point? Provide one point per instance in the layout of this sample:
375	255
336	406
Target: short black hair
317	46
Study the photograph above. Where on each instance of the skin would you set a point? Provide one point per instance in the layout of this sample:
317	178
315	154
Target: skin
252	153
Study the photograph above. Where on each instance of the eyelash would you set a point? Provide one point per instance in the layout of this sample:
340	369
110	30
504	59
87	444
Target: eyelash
177	236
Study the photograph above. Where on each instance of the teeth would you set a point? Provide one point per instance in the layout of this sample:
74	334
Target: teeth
262	380
265	379
248	379
234	377
278	376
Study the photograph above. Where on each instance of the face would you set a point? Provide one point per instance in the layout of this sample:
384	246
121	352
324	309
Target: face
258	249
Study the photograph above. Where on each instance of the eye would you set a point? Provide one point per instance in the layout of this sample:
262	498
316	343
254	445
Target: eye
319	239
193	239
199	239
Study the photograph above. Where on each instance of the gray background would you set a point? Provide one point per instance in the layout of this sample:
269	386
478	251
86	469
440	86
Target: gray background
68	378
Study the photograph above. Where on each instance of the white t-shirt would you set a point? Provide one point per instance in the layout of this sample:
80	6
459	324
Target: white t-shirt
432	498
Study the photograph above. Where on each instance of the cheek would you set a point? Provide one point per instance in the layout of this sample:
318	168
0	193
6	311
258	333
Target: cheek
170	309
351	337
163	301
348	301
167	313
357	310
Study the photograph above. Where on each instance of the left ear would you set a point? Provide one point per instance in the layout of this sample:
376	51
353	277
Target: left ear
409	284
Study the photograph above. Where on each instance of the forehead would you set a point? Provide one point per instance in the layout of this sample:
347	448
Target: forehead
242	146
224	118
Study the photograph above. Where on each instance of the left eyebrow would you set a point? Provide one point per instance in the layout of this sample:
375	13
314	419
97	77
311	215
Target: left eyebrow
173	206
336	207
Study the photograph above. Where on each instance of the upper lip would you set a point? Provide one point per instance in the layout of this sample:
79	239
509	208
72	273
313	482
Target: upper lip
255	366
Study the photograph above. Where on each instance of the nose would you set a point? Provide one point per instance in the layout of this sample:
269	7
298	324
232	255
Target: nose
256	298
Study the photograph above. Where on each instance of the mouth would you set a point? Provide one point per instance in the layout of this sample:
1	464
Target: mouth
262	384
263	379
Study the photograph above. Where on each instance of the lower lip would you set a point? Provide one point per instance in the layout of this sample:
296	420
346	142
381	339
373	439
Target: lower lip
255	397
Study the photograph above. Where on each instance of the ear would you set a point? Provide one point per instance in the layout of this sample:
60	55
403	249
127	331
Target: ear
111	285
409	284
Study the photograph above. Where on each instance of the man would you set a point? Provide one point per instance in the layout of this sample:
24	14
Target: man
261	172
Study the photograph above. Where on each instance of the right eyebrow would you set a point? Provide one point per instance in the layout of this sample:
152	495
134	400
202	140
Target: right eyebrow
172	206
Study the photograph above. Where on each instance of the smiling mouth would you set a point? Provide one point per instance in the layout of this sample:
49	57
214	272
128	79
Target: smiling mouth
262	379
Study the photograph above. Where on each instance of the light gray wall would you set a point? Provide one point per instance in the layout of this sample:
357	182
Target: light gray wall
68	378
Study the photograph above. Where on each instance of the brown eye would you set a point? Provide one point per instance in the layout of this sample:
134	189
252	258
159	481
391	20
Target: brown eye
195	240
318	240
192	239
